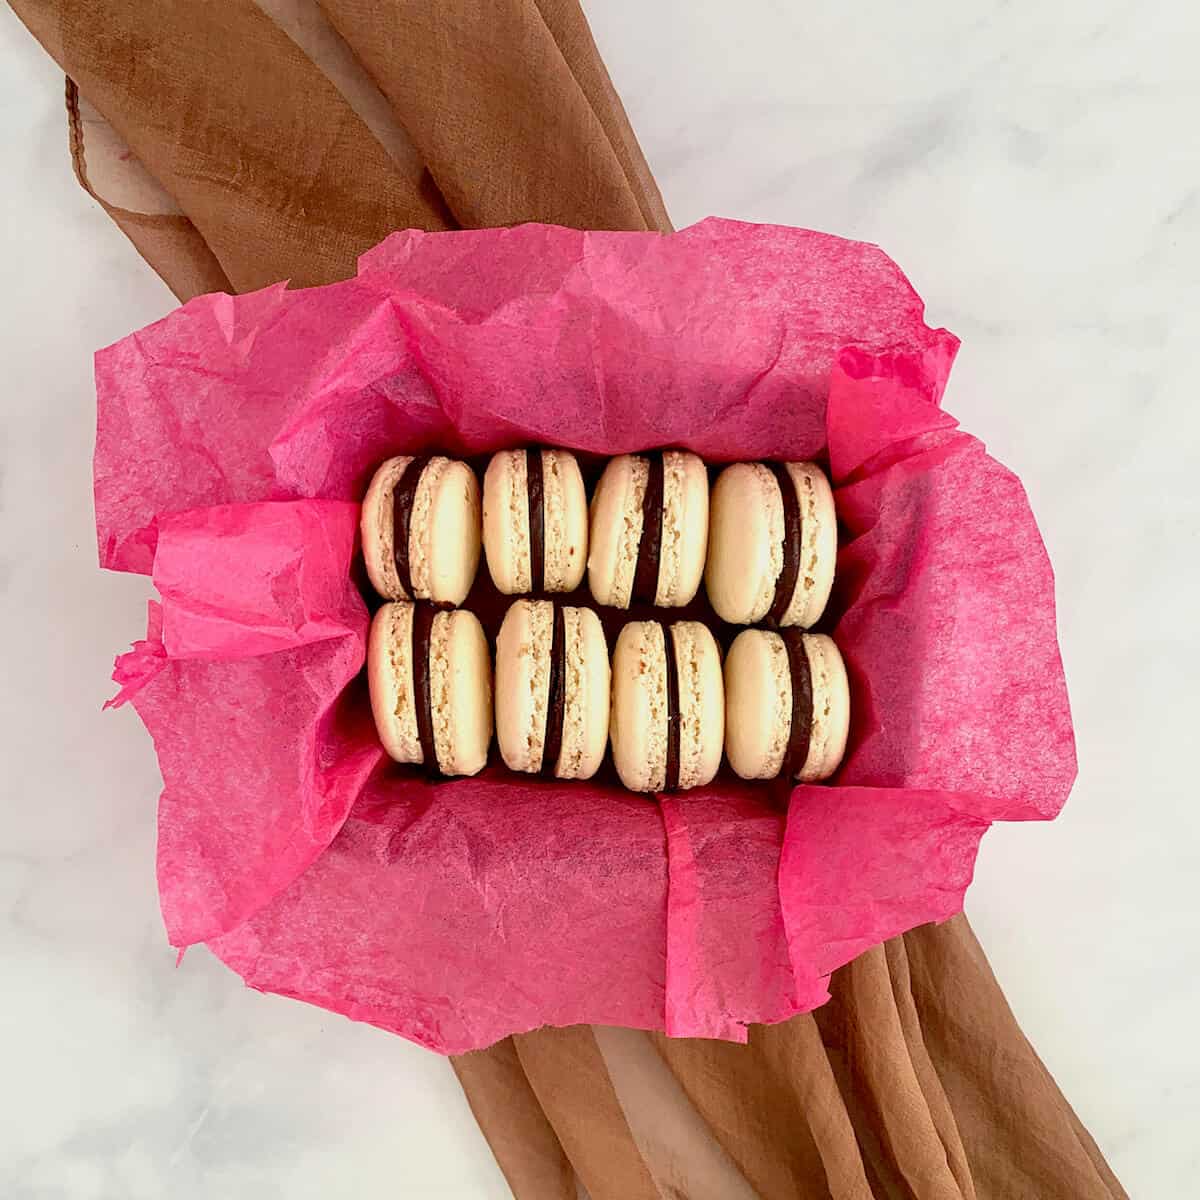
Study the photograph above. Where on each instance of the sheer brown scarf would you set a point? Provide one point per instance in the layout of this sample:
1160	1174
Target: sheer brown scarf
240	143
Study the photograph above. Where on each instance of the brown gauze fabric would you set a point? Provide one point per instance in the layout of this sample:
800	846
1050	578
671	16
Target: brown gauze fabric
237	144
240	143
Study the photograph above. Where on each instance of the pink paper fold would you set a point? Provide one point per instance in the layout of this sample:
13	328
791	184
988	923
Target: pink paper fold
861	865
240	580
442	909
236	436
248	682
942	566
723	847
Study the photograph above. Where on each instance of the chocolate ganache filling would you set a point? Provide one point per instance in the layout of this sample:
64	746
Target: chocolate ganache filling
422	631
673	717
785	585
645	577
556	703
403	496
800	732
537	520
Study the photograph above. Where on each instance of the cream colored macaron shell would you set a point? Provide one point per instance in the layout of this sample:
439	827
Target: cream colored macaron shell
758	706
746	539
444	533
523	650
640	704
616	529
506	533
460	688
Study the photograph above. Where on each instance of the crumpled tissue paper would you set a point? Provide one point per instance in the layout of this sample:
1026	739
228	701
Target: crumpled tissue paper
235	438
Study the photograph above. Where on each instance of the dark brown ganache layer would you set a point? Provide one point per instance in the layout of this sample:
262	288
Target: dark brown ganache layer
403	497
645	576
793	531
536	492
800	731
422	632
673	715
556	702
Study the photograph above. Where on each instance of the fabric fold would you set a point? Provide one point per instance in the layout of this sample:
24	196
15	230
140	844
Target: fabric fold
913	1082
251	146
569	27
489	75
138	204
271	196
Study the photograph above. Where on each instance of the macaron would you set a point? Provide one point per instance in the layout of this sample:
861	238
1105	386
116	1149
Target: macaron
787	705
649	530
420	529
668	706
430	680
535	526
772	543
552	689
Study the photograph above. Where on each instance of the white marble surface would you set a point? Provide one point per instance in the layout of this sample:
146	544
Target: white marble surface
1035	168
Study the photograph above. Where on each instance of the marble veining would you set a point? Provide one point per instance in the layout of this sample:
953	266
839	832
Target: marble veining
1035	169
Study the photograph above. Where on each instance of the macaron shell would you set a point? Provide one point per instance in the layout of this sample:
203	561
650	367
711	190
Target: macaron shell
376	524
460	684
566	521
587	694
506	521
523	682
758	704
444	538
745	543
831	709
616	530
701	702
390	681
818	550
638	724
685	528
449	541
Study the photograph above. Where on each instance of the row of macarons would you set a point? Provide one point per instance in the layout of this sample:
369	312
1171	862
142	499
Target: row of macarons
777	706
765	540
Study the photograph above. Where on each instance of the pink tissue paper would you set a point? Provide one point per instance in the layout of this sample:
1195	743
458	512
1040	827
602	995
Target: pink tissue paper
236	437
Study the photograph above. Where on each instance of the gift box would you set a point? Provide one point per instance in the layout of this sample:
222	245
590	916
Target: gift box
235	440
